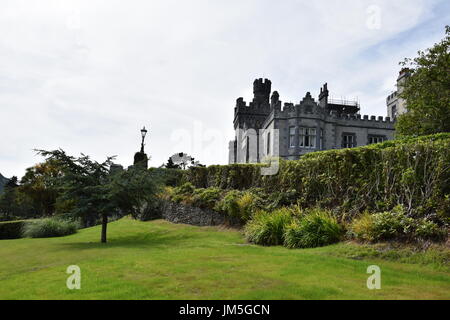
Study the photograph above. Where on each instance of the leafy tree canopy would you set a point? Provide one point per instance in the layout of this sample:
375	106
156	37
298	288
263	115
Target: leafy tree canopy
97	192
427	92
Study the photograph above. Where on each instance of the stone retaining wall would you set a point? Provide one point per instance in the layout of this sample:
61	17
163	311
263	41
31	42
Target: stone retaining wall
180	213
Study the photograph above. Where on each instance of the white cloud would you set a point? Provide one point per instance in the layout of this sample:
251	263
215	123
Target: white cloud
86	75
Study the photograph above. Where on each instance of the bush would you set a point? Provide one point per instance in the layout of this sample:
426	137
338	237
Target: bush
315	229
51	227
182	193
11	229
167	177
282	199
362	227
247	205
229	204
186	188
206	198
382	226
239	204
268	228
429	230
395	224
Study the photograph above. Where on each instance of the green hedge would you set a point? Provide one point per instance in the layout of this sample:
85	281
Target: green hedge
413	172
50	227
168	177
11	229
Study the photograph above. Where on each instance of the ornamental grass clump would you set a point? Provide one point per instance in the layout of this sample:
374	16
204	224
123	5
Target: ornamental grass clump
268	228
314	229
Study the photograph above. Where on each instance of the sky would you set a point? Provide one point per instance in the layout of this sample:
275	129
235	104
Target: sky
85	76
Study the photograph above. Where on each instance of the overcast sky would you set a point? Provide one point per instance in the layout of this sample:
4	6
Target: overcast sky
85	76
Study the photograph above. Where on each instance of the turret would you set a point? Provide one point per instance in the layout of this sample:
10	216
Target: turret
261	91
275	99
323	96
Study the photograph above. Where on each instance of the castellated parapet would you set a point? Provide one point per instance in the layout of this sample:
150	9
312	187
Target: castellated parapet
304	127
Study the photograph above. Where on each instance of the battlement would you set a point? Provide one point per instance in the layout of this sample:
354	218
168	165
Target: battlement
358	117
260	85
265	106
252	107
261	90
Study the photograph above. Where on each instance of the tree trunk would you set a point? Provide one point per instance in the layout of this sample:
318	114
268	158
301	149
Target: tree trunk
104	225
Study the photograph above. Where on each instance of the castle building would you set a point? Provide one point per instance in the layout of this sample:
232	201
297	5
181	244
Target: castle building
395	104
265	128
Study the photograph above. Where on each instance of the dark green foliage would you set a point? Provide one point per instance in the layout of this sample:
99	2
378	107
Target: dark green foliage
3	181
429	230
268	228
414	172
48	228
97	192
316	228
171	165
427	91
234	176
133	191
11	229
206	198
229	204
185	189
167	177
9	206
282	199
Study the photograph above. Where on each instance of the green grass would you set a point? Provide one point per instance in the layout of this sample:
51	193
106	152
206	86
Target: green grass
160	260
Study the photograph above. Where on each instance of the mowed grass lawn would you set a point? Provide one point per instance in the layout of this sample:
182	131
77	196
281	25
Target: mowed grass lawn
160	260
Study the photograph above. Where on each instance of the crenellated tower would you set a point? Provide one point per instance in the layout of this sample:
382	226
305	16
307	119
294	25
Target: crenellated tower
253	115
261	91
249	119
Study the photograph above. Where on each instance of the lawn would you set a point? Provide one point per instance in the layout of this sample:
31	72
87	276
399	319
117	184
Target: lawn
160	260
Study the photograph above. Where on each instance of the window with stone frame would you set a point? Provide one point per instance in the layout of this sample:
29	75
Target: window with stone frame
292	137
348	140
307	138
268	143
376	139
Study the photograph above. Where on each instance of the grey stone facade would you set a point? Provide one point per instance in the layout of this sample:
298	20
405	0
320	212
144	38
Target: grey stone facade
395	104
265	128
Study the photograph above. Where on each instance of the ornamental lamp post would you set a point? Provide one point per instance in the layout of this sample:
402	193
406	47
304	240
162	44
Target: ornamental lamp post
143	134
140	158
